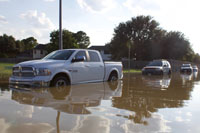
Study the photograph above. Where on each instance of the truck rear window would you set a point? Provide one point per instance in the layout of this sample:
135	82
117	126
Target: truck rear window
94	57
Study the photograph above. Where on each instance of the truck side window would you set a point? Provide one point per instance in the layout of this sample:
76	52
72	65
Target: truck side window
94	57
81	53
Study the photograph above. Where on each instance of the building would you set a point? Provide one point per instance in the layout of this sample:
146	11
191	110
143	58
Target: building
103	51
26	55
39	51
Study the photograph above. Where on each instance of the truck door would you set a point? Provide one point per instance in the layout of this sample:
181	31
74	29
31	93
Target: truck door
80	70
96	66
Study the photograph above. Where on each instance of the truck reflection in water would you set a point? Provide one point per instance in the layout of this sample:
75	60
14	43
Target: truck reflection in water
70	99
146	96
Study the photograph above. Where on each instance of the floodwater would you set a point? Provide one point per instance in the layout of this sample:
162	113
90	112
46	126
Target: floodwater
135	104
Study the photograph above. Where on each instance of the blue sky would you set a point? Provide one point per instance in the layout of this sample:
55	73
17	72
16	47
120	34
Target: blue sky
98	18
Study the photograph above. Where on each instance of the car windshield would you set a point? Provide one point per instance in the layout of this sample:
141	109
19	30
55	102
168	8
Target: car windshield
186	65
155	63
59	55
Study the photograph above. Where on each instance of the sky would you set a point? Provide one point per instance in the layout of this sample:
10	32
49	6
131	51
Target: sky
98	18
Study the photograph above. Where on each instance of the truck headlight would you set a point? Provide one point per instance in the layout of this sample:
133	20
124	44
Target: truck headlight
42	72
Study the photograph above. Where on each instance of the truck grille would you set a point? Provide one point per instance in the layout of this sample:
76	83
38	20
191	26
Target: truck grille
23	71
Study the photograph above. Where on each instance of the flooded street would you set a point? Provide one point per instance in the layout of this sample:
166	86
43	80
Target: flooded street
135	104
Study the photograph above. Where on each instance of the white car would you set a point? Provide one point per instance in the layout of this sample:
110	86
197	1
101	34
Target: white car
157	67
186	68
195	68
65	67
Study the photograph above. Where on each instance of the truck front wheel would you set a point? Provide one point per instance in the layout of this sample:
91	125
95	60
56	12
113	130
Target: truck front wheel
60	81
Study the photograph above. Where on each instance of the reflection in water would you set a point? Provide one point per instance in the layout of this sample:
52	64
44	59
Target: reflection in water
71	99
123	106
146	96
159	82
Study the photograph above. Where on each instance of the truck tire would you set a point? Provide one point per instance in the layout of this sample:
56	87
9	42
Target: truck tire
60	93
113	77
60	81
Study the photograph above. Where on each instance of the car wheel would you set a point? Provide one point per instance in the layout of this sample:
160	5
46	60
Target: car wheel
161	72
60	81
113	77
169	72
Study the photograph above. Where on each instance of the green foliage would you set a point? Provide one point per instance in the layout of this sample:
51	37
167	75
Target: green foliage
70	40
6	70
82	39
132	71
7	45
10	47
29	43
148	41
140	33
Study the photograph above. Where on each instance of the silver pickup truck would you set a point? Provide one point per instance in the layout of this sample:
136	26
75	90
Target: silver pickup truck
65	67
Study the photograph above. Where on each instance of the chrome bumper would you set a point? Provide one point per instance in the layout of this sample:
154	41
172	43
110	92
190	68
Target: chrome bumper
28	83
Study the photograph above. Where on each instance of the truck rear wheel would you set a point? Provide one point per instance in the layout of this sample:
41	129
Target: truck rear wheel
60	81
113	76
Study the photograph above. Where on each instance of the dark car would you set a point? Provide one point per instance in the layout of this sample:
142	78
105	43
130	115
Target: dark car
157	67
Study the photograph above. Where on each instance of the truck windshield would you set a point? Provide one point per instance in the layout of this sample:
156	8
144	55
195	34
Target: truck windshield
155	63
59	55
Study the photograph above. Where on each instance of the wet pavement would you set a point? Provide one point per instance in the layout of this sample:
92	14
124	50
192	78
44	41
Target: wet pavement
135	104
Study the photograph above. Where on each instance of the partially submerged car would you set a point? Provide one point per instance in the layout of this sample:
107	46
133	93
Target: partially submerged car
195	68
157	67
186	68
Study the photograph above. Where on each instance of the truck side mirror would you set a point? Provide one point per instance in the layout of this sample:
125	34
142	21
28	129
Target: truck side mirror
78	59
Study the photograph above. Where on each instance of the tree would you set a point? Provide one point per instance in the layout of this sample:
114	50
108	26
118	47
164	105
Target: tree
70	40
142	31
29	43
7	46
20	46
176	46
148	41
82	39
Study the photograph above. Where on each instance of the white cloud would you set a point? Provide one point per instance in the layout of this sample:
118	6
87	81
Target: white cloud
144	7
4	0
97	6
3	19
156	124
49	0
38	20
3	126
38	25
179	119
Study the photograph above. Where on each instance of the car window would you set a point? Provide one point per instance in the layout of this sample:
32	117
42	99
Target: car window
94	57
155	63
186	65
81	53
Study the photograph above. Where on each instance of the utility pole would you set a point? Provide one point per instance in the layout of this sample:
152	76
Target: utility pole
129	55
60	26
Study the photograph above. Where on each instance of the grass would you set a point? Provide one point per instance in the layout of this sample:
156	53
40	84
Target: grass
5	70
132	71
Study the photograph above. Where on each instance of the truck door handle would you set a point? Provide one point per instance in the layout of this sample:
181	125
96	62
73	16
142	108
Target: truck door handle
100	66
87	66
